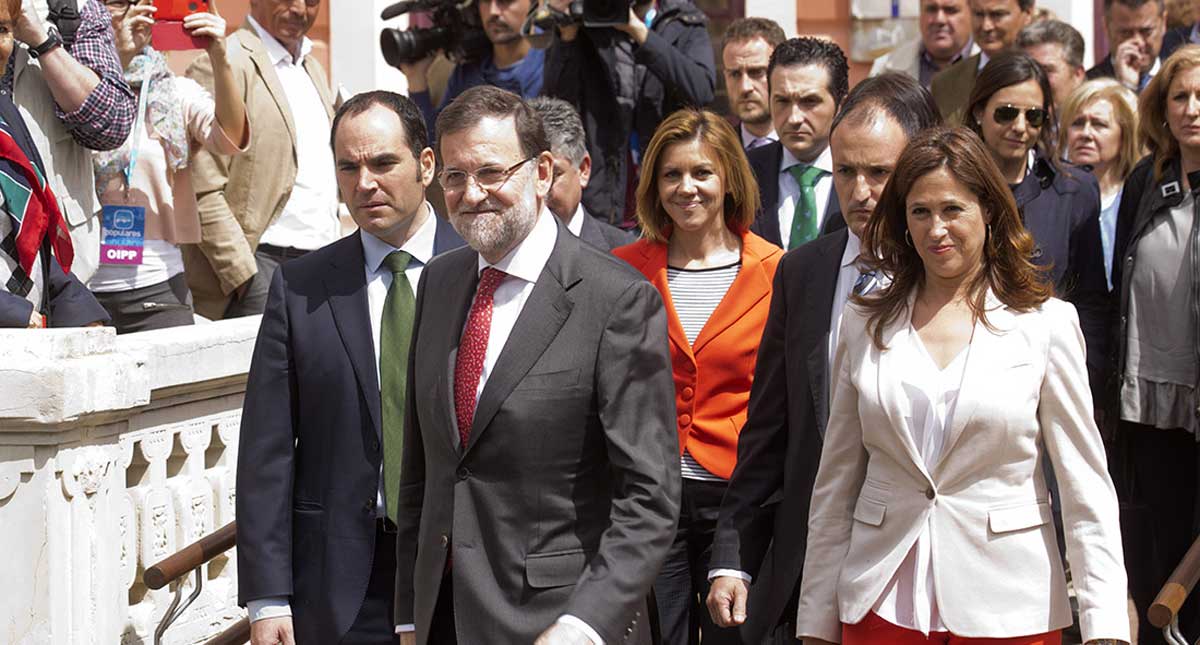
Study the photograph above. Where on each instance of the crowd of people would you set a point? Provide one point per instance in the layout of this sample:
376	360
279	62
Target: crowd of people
898	362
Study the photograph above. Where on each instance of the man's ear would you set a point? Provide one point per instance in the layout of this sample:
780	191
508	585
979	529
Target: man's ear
585	170
545	173
428	165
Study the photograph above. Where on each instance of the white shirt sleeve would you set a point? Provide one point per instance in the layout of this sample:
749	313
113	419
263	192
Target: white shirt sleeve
273	607
568	619
733	573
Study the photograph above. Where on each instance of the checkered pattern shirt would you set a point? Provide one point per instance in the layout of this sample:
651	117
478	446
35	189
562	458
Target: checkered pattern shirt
104	120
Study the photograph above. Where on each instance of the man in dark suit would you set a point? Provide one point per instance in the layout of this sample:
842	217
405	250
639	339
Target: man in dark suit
996	24
746	49
315	516
807	79
572	171
540	484
763	525
1138	41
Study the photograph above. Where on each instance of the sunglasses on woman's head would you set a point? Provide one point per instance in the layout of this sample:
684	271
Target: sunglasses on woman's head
1035	117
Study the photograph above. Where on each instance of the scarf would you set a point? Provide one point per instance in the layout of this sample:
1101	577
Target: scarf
31	205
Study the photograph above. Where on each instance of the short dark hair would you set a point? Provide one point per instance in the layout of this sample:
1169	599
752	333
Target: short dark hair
807	50
897	95
484	101
1026	5
410	116
1134	4
563	127
1010	68
750	28
1057	32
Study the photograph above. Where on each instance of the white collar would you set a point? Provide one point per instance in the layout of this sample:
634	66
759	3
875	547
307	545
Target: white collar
853	249
749	137
824	160
575	224
419	245
983	60
527	259
1154	69
275	49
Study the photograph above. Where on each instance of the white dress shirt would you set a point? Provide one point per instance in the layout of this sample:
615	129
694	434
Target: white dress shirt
749	137
310	217
909	600
379	280
523	264
789	191
575	225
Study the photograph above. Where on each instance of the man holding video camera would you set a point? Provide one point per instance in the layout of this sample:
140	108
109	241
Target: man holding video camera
512	64
657	62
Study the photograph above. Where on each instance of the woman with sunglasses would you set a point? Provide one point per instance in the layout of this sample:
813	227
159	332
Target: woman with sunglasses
149	174
1155	397
1012	110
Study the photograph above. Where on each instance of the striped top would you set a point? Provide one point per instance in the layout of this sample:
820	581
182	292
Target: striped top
696	294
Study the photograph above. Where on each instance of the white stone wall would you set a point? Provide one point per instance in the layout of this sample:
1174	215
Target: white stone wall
114	453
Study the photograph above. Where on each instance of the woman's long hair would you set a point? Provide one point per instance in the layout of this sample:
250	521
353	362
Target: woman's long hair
1152	108
1007	268
1005	70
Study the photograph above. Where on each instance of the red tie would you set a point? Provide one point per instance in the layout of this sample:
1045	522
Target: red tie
468	366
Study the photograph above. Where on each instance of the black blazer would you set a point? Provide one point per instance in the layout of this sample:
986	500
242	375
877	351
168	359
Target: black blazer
1061	208
1172	40
763	525
310	447
566	497
764	161
603	235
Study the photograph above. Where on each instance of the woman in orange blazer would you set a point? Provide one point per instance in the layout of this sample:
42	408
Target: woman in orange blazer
695	201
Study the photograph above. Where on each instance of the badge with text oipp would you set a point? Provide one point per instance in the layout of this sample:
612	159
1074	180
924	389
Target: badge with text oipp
122	233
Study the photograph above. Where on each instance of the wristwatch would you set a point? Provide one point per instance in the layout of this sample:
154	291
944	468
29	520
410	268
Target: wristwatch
52	41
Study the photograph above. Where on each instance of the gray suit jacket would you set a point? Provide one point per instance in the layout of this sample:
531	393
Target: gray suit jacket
566	497
603	235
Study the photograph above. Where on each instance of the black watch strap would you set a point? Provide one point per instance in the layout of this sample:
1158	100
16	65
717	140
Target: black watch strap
52	41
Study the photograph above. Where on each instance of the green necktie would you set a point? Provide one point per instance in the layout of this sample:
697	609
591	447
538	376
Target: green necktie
395	332
804	221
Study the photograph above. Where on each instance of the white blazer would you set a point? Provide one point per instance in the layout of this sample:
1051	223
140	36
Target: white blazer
996	566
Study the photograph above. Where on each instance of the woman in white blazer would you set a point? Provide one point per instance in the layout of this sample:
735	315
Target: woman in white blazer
930	518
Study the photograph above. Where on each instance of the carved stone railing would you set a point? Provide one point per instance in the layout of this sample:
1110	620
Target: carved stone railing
115	451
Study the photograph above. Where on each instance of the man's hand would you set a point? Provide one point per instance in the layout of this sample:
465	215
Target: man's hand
240	291
29	28
272	631
1127	64
636	28
408	638
35	320
727	601
563	634
417	74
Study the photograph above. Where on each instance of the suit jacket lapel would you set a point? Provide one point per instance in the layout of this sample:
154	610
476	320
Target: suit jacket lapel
542	316
768	185
654	266
318	79
823	287
346	284
751	285
257	52
458	299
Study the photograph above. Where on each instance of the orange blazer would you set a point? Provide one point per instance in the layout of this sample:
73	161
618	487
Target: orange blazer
713	377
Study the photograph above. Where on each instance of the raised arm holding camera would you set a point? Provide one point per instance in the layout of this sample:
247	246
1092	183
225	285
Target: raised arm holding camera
656	61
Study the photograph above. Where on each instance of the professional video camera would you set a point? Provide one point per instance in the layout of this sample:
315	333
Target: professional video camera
539	26
456	32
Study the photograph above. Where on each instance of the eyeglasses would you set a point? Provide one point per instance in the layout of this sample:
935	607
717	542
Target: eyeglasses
487	178
1035	117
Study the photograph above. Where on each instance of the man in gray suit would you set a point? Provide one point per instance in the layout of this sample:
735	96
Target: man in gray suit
539	487
572	170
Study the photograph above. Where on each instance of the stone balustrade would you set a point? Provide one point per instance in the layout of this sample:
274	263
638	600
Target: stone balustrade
115	451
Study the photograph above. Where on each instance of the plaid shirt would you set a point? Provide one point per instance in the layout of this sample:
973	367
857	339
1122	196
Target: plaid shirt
104	120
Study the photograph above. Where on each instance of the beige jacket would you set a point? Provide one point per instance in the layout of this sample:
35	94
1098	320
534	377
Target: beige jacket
240	196
996	567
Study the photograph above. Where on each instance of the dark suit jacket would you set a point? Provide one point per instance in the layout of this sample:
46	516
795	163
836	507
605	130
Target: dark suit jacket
763	525
764	161
566	497
952	87
1172	40
310	448
603	235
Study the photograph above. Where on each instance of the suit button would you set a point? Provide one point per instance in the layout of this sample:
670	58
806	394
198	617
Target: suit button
463	474
687	393
685	420
445	541
929	494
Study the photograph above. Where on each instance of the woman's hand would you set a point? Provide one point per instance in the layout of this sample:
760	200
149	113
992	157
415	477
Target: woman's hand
208	25
131	30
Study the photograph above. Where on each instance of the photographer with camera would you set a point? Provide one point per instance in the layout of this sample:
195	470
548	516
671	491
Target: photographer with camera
510	64
657	62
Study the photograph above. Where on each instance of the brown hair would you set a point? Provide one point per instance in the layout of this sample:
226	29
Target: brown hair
10	10
484	101
685	126
1007	268
1006	69
1152	108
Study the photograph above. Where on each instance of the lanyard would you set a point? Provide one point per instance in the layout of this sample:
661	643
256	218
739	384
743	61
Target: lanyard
135	134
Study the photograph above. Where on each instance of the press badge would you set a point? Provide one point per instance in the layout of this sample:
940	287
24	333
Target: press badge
122	233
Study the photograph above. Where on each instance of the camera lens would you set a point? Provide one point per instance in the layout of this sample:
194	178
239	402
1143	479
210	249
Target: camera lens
412	45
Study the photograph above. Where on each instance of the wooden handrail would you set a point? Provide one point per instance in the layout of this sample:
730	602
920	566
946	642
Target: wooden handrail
1175	591
191	556
237	634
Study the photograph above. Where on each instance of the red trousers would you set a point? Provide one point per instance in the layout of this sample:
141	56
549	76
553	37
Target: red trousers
874	630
